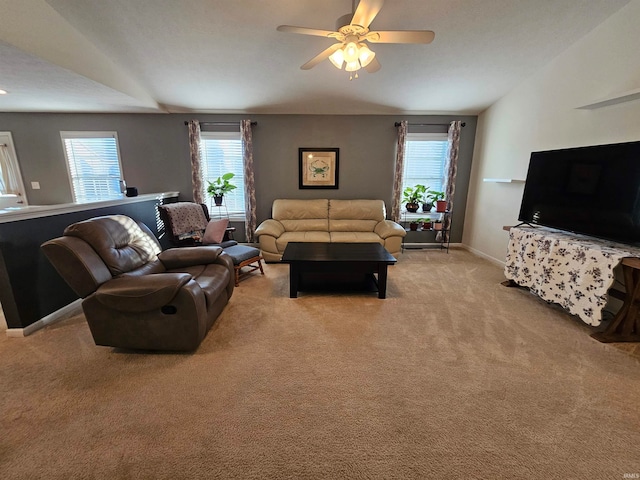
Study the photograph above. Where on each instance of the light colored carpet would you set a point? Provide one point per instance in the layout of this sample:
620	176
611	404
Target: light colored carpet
452	376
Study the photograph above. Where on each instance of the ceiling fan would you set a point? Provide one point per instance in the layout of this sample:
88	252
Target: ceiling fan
352	31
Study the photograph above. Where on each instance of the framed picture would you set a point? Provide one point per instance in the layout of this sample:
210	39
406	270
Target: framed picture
318	167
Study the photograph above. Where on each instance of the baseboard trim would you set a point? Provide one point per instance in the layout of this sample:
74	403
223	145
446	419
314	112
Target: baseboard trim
429	246
63	312
480	254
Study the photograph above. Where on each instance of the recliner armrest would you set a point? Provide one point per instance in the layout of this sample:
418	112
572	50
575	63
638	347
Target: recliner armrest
389	228
173	258
270	227
141	294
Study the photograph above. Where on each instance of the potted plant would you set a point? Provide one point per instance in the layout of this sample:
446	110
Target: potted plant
220	186
424	197
411	197
426	223
413	226
438	198
437	225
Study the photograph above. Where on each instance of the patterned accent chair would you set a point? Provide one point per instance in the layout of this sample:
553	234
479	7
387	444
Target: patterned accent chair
187	222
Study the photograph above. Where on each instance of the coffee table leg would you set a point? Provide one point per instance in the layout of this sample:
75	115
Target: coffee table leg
382	281
294	276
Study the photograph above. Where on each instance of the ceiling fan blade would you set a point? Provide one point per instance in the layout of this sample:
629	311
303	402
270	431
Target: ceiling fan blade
373	66
321	56
366	12
401	36
305	31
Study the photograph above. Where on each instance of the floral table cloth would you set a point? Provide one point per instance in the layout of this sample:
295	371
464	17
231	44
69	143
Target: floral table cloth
574	271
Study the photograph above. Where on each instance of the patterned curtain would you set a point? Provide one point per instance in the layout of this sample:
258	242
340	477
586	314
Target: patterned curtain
451	169
249	180
397	176
196	162
8	174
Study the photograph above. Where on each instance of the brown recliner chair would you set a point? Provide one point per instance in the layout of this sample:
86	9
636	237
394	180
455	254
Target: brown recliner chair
135	295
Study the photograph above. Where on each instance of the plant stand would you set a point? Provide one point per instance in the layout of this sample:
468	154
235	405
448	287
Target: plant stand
219	212
445	239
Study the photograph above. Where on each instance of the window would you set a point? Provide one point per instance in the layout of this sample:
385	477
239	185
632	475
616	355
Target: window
424	160
221	153
11	187
93	161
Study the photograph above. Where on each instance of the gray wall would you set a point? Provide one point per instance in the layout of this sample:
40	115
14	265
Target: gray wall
155	153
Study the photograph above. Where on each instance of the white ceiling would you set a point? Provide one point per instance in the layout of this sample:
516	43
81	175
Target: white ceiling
225	56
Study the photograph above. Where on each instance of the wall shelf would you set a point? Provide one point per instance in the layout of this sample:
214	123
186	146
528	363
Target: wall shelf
502	180
612	100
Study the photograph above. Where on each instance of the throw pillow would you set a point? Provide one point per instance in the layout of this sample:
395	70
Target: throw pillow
214	233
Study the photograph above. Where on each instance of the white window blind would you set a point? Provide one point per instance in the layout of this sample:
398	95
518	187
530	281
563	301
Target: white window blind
94	167
222	153
424	160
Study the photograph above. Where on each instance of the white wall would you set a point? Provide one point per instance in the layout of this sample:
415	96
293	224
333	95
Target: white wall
541	114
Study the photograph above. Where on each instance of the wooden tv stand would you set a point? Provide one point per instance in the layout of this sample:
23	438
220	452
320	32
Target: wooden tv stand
625	326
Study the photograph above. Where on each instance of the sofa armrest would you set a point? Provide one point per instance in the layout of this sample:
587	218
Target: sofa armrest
141	294
270	227
389	228
174	258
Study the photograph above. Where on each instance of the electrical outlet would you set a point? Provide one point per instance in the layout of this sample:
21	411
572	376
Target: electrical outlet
35	185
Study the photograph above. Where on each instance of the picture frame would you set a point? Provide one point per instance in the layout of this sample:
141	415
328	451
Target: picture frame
318	167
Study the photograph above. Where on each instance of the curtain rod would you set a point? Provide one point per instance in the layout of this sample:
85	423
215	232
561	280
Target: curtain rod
221	123
426	124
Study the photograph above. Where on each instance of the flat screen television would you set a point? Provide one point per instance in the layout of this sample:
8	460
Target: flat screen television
590	190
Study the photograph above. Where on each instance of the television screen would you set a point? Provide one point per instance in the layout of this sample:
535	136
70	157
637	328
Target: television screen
589	190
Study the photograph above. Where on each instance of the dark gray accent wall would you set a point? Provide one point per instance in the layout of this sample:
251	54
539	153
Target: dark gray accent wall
154	150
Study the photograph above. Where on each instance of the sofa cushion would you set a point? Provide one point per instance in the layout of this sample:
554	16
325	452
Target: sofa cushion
290	209
307	225
287	237
122	244
212	279
302	215
355	215
356	237
141	294
352	225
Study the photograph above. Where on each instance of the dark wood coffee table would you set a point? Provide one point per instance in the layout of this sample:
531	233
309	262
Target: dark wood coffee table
337	259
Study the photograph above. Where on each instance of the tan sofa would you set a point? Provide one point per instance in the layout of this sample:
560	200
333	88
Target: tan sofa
324	220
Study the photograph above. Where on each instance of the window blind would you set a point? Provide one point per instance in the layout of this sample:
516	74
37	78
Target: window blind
222	153
424	160
94	166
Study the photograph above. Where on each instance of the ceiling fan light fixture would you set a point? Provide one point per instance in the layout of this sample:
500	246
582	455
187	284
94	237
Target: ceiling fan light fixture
337	58
351	52
352	30
352	66
365	55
